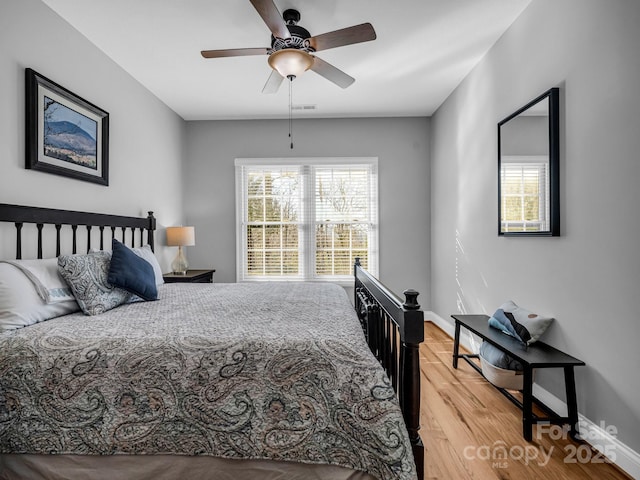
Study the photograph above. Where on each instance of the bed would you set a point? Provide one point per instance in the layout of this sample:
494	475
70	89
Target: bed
277	380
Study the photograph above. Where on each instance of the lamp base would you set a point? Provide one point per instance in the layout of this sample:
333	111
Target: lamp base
180	264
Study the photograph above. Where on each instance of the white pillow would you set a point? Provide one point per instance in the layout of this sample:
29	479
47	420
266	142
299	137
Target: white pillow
146	253
46	279
20	304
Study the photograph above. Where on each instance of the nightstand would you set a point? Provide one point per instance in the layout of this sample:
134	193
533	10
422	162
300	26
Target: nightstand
192	276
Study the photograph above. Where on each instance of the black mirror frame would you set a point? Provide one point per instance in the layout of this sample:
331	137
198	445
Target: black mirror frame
553	96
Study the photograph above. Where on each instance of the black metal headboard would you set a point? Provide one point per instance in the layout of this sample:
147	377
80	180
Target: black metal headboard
19	215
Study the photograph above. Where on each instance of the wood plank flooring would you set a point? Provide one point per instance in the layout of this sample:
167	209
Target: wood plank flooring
471	431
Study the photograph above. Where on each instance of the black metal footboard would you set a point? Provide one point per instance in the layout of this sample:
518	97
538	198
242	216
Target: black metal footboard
394	331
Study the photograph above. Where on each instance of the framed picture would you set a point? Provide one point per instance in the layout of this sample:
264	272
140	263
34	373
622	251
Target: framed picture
66	135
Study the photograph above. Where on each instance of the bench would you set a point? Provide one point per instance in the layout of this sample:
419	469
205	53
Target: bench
537	355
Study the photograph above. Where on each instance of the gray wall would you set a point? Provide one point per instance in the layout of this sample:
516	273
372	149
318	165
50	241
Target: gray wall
146	137
588	278
402	148
525	135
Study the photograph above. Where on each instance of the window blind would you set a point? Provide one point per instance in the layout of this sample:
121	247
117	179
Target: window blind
306	219
524	197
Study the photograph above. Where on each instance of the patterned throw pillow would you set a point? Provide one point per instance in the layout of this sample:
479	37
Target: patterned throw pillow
87	277
520	323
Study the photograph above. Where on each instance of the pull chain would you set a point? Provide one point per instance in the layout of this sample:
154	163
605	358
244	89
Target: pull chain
291	77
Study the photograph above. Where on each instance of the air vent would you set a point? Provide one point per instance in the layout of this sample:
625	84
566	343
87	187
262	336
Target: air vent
305	108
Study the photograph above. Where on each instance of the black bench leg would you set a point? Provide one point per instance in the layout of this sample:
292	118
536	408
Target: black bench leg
527	404
456	344
572	405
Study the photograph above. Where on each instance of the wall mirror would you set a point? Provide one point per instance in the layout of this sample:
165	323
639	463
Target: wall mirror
528	169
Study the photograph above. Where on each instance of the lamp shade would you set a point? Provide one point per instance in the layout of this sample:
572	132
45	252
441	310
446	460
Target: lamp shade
181	236
290	62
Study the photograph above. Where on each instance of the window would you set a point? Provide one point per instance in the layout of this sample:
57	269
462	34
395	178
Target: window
525	199
306	219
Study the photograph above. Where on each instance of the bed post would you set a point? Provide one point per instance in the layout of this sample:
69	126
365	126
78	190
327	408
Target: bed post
150	230
409	395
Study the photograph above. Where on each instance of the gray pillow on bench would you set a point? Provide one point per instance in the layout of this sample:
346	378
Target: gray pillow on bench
498	358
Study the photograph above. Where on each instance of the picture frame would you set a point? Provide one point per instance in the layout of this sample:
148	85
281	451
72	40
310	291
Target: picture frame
65	134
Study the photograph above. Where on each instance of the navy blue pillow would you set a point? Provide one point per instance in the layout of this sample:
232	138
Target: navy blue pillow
131	272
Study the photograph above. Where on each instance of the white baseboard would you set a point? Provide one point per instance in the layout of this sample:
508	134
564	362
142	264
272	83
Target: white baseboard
600	437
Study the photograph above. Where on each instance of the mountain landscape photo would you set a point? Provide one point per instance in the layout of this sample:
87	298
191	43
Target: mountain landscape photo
69	135
67	141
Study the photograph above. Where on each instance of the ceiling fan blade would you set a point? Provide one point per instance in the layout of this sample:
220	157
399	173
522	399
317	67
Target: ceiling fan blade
331	73
272	17
345	36
234	52
273	82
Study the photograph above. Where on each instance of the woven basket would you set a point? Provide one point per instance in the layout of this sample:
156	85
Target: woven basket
509	379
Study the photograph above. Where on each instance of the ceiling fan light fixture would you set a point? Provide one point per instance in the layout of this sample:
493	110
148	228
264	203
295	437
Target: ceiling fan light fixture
290	62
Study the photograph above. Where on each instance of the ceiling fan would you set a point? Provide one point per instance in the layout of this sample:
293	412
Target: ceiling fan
292	47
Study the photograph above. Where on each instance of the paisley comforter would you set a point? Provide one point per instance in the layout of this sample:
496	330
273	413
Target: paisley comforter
263	371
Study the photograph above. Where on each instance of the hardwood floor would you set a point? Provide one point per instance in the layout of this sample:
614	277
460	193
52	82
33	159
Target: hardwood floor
471	431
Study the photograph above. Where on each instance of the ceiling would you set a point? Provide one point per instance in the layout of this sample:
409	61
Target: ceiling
424	48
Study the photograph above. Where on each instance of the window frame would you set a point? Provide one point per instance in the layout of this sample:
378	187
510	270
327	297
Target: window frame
306	232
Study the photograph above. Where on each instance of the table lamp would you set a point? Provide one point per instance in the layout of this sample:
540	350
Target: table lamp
180	237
